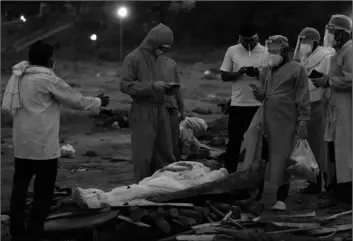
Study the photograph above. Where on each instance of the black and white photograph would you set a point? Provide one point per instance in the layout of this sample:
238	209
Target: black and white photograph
176	120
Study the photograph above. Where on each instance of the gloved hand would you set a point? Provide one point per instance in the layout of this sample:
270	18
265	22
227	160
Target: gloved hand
104	100
252	71
321	82
302	131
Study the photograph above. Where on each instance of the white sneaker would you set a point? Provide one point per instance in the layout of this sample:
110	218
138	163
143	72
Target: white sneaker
279	206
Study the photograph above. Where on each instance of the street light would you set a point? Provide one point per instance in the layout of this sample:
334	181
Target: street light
23	18
122	13
93	37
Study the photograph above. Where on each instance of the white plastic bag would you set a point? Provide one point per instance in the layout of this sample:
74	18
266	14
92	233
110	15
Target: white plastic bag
303	164
67	151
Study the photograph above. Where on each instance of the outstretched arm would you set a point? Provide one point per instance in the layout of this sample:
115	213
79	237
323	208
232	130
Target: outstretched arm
69	97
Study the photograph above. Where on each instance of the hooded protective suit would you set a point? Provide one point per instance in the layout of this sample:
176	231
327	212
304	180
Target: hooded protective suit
151	139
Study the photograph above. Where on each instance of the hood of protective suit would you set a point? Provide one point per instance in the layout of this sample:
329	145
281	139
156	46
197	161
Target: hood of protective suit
157	36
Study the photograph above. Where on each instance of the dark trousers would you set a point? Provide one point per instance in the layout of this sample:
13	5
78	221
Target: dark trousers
240	118
342	191
45	172
283	190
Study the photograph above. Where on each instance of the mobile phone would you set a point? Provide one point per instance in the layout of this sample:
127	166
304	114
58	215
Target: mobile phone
175	85
315	74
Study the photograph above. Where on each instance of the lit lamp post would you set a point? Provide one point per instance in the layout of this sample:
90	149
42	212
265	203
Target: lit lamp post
93	38
23	19
122	13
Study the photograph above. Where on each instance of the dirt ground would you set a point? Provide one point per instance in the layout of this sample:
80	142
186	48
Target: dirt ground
112	166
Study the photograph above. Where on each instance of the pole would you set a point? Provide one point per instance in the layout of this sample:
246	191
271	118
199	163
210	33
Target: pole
121	40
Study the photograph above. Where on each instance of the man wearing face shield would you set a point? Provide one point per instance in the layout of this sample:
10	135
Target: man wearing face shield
284	93
241	66
339	80
145	81
316	60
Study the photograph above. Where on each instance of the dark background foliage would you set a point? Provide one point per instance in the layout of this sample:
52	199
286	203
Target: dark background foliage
195	24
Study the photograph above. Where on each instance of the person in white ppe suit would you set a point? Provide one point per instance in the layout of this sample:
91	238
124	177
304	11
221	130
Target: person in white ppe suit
316	60
339	80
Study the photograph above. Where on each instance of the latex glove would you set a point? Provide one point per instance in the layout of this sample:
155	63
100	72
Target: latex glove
259	94
302	131
104	100
321	82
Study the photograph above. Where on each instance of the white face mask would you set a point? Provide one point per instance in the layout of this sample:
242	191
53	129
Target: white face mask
275	59
305	49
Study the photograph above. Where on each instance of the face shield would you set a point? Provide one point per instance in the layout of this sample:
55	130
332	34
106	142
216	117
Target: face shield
297	55
304	48
274	56
329	36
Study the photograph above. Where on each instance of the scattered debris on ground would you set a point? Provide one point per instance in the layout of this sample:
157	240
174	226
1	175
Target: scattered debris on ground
67	151
224	105
211	74
90	154
111	118
221	210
